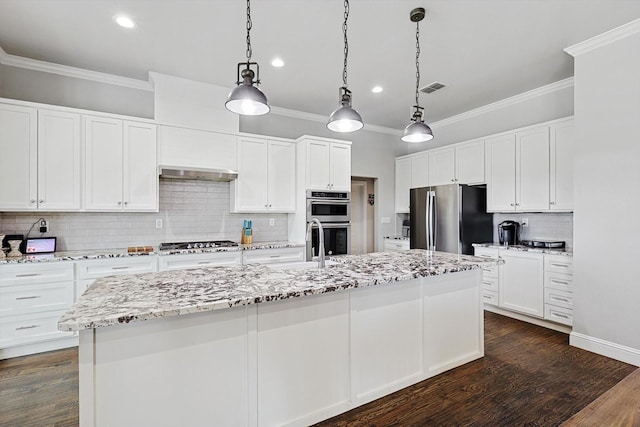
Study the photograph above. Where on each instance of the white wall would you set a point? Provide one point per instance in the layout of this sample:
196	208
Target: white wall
372	156
47	88
607	198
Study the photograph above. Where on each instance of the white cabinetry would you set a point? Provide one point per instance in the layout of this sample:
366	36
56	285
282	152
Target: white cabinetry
273	256
561	167
470	163
18	150
558	289
121	165
90	270
207	259
391	245
491	277
266	176
518	171
32	298
328	164
442	166
403	184
419	170
522	282
59	161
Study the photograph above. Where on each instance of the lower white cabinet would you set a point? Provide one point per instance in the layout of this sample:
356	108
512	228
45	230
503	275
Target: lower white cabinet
32	298
558	289
273	256
490	278
522	282
208	259
90	270
396	245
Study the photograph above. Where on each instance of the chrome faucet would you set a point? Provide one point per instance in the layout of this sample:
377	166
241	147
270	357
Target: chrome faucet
320	239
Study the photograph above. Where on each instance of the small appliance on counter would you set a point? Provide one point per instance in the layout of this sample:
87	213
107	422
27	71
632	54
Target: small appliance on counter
508	233
406	228
546	244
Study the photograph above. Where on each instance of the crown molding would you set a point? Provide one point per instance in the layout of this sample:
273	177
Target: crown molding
521	97
604	39
323	119
78	73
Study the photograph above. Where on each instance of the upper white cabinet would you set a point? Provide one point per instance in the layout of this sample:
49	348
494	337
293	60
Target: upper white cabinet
41	151
121	168
470	163
18	150
328	165
59	161
196	148
442	166
266	176
403	184
420	170
561	166
518	171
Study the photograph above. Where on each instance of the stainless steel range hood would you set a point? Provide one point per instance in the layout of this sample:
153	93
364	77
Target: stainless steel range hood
204	174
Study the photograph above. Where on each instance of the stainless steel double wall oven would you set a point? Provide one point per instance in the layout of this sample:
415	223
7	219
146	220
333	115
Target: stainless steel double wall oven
333	209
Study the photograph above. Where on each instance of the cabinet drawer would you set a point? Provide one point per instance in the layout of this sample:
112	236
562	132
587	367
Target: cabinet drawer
94	269
490	283
31	273
486	252
558	314
562	282
272	256
181	262
490	271
490	297
27	299
558	298
558	264
18	330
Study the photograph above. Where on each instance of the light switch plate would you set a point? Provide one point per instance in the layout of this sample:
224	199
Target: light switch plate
159	223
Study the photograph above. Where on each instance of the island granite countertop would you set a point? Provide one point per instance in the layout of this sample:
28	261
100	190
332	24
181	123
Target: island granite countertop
133	298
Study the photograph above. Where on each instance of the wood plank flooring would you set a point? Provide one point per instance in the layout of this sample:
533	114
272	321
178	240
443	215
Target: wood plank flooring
529	376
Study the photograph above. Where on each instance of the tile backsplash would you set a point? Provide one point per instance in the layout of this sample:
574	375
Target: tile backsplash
544	226
189	210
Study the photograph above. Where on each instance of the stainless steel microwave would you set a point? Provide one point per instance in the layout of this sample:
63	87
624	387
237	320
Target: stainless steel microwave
329	206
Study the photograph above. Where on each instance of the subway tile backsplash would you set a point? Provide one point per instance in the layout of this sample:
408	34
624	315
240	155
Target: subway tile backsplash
544	226
190	210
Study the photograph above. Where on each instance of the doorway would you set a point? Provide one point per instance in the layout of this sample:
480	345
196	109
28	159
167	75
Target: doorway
362	215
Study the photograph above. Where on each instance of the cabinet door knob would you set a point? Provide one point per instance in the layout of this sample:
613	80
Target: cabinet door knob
517	204
41	201
119	203
269	205
265	206
552	203
126	203
32	201
511	204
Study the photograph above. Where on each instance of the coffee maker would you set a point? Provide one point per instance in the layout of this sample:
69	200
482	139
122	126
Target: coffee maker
508	232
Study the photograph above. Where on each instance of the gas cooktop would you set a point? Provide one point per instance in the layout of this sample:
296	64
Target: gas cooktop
198	245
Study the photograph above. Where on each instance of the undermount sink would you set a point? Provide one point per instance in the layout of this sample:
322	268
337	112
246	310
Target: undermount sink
300	265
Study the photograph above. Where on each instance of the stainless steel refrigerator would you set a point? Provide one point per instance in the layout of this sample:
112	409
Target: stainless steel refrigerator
449	218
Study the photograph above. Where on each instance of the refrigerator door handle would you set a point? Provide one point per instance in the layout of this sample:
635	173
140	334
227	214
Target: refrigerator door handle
426	210
434	232
431	243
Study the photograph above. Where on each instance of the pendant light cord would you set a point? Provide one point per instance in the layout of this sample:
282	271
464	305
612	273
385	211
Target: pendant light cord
417	62
249	25
346	43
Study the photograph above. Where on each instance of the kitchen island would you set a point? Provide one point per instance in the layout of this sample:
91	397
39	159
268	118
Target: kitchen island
264	345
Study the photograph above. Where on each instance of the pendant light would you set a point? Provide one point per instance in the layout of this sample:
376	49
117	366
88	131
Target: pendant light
417	130
247	99
345	118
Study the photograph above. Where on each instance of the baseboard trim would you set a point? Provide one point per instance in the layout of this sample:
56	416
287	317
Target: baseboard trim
533	320
38	347
605	348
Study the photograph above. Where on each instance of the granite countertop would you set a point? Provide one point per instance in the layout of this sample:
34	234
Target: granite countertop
565	251
134	298
122	253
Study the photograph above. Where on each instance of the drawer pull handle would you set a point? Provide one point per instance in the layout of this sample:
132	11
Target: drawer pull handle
553	297
124	267
274	256
564	316
204	262
32	297
28	275
27	327
559	265
559	282
486	297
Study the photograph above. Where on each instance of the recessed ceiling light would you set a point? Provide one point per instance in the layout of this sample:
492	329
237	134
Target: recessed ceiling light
376	89
124	21
277	62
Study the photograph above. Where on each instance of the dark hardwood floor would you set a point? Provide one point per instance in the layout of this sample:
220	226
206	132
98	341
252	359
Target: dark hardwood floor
529	376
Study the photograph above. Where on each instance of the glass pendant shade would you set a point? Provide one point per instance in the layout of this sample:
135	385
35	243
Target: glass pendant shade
247	99
417	132
345	118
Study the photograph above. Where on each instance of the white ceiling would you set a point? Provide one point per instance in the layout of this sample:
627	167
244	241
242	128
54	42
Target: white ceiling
484	50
